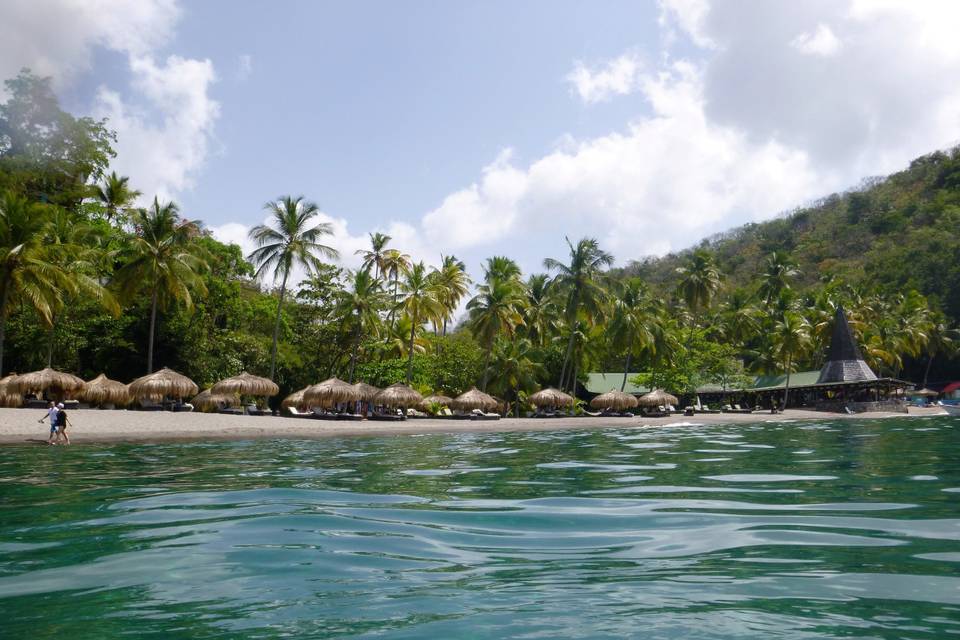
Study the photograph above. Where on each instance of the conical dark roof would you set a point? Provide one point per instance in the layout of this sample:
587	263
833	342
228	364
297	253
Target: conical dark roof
844	361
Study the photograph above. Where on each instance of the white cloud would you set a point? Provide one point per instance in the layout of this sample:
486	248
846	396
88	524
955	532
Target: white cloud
688	16
822	42
164	142
614	77
164	119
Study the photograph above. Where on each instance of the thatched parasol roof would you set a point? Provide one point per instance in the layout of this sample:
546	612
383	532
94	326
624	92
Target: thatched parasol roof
295	400
103	390
436	399
398	395
161	384
330	392
657	398
246	384
207	400
551	398
616	400
45	379
367	391
10	396
927	393
474	399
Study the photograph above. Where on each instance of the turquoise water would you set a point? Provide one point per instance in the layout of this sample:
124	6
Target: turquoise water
776	530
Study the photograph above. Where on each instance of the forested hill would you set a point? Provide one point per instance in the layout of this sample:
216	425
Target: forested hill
890	234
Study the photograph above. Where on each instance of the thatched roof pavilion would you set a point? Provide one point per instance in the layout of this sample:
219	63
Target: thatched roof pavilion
367	391
844	361
474	399
658	398
48	380
295	400
398	395
330	392
436	399
10	395
615	400
160	384
207	400
246	384
551	398
102	390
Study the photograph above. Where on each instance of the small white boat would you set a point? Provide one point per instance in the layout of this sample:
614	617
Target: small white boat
952	409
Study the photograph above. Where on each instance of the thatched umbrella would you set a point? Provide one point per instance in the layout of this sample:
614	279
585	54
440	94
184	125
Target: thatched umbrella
435	399
207	400
367	391
616	400
295	400
10	395
551	398
474	399
330	392
246	384
59	383
102	390
658	398
398	395
927	393
160	384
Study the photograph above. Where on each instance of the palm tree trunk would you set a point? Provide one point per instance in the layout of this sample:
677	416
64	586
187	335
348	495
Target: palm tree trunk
276	327
566	357
413	333
50	339
573	381
3	321
786	388
486	365
926	373
626	371
356	347
153	328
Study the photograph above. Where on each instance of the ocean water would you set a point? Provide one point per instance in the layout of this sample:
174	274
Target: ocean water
847	529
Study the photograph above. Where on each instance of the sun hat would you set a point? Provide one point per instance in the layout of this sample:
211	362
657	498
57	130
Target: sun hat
60	405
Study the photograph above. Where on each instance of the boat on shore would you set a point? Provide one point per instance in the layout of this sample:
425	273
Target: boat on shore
952	409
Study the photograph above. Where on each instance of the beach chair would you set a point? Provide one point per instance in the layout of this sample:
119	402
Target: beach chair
477	414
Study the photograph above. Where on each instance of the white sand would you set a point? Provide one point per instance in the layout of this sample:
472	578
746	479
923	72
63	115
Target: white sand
19	426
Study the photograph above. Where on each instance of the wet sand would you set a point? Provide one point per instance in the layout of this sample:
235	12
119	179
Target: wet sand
19	426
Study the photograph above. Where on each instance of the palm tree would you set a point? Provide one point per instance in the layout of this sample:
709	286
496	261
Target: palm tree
779	270
699	280
163	258
75	248
942	339
361	303
515	368
631	317
289	241
420	301
115	194
376	254
395	264
452	284
579	281
792	335
540	316
501	268
495	310
25	271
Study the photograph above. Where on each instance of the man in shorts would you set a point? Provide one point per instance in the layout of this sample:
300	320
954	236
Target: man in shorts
52	415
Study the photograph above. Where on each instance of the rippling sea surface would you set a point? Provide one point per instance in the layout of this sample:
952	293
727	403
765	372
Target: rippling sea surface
769	530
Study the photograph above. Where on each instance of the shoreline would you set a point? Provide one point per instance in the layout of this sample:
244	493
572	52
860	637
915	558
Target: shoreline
93	426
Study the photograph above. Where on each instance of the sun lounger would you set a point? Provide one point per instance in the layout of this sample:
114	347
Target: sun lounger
350	416
707	409
387	417
477	414
233	411
296	413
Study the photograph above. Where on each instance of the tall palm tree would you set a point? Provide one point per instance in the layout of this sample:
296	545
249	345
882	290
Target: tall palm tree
376	254
395	264
76	249
164	258
493	311
361	302
540	315
420	301
699	280
792	335
579	282
501	268
290	240
515	369
630	322
942	340
452	284
779	270
115	194
25	271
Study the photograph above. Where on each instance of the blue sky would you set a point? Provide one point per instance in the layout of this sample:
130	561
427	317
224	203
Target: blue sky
501	127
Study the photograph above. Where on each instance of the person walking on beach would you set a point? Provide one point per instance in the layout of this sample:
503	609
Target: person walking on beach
62	423
52	416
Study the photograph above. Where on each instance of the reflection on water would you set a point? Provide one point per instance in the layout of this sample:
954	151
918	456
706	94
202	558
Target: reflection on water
799	530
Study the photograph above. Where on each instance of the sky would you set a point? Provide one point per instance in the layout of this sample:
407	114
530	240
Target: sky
500	128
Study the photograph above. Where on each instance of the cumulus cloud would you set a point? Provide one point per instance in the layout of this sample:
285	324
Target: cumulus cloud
164	118
612	78
820	42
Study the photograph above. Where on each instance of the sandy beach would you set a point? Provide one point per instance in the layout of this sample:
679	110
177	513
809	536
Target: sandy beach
19	426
